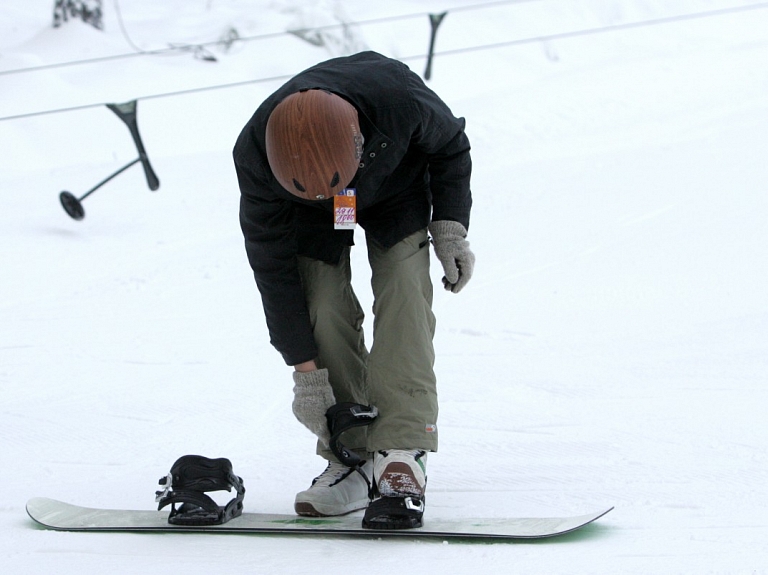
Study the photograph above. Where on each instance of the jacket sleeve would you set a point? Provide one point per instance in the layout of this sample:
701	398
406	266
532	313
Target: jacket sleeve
270	243
440	135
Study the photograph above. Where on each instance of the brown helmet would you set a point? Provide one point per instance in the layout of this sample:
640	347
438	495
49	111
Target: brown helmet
314	143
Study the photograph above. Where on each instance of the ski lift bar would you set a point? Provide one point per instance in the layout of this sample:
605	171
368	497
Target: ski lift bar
127	113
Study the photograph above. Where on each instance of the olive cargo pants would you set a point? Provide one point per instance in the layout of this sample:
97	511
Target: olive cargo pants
397	374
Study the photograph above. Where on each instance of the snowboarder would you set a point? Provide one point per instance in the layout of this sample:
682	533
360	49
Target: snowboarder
357	139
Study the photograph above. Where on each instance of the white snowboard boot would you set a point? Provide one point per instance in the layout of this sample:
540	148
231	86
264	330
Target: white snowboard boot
401	479
337	491
401	473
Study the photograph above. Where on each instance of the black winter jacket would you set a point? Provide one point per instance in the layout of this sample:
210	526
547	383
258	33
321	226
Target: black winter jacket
415	169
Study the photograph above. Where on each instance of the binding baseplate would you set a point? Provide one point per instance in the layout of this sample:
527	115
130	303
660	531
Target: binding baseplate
186	484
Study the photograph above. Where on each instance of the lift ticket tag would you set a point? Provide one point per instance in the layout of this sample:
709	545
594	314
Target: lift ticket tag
345	209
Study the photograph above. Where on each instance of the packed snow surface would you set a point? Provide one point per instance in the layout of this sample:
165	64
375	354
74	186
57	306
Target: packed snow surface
612	348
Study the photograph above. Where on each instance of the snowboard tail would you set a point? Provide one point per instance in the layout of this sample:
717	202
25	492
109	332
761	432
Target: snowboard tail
61	516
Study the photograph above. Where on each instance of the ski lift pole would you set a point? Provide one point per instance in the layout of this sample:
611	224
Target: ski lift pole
127	113
434	21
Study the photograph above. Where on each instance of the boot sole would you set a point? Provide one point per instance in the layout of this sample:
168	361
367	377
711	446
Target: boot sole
307	509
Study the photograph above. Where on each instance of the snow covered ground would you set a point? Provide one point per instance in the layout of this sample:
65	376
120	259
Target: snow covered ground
612	348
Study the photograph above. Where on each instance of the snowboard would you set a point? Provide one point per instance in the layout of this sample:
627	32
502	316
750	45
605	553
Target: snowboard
62	516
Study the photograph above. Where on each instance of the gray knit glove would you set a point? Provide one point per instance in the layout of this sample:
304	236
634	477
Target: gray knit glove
312	396
452	249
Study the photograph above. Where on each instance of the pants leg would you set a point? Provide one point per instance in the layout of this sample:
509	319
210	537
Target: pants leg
337	321
401	378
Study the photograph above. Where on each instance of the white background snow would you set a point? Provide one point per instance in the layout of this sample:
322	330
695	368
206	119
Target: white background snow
612	348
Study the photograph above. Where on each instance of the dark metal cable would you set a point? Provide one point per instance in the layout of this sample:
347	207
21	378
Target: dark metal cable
497	45
266	36
153	96
593	31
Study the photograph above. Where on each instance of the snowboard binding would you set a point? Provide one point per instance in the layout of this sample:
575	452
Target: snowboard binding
342	417
394	513
190	477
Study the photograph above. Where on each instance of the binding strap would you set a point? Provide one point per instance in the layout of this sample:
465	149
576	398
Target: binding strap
190	477
342	417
